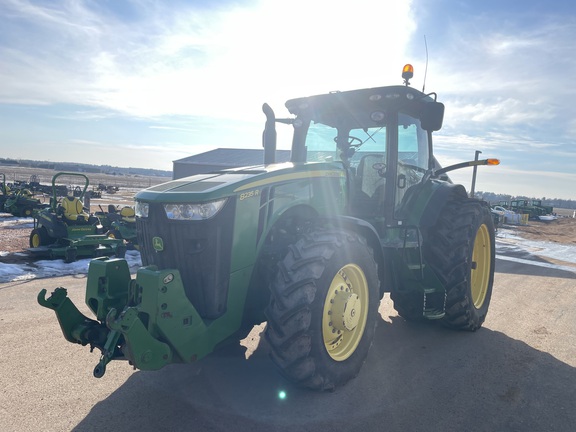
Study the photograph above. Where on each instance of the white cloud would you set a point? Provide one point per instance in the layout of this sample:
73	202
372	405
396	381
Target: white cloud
506	84
207	62
506	80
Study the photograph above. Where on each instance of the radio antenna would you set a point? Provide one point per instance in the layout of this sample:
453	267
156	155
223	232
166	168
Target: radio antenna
426	68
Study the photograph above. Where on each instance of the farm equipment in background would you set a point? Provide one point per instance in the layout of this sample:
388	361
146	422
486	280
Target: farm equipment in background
21	202
363	208
66	230
94	193
544	209
120	224
527	207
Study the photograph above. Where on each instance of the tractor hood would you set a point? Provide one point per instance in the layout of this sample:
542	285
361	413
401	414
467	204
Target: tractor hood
213	186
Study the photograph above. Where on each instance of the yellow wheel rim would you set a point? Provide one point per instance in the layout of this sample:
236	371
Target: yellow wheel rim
345	312
480	274
35	240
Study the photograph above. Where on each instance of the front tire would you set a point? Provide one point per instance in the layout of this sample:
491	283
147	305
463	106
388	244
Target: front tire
70	254
461	251
39	237
323	309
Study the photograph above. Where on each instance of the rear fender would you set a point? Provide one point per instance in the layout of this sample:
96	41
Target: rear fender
424	202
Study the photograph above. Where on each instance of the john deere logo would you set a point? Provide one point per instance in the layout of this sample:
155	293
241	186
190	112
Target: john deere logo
158	244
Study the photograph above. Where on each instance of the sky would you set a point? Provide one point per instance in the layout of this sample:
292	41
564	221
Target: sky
509	247
141	83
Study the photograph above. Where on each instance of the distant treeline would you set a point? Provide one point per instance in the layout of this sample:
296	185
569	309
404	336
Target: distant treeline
87	168
493	199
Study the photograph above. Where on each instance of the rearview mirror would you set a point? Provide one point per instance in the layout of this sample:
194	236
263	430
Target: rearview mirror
431	116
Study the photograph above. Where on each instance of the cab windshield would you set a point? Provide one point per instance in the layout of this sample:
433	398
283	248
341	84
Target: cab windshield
322	147
412	143
365	152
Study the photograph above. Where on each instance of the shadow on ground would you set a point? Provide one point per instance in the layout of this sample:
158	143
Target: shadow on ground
417	377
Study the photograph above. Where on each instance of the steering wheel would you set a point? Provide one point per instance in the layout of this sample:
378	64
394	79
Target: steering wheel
413	167
352	141
381	168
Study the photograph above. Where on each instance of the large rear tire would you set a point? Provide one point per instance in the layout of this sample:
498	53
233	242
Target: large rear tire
461	251
323	309
26	212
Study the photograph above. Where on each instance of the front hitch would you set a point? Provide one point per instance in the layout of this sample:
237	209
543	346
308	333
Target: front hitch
76	327
147	321
142	349
118	331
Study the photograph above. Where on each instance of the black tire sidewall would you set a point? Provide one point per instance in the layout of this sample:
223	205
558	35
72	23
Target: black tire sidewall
479	314
299	291
342	371
35	232
448	249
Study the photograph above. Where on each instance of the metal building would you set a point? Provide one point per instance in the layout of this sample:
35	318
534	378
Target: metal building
222	158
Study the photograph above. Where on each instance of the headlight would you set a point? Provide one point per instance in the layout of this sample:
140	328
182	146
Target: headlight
141	209
193	211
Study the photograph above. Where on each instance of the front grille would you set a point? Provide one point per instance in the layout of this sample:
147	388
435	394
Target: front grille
199	250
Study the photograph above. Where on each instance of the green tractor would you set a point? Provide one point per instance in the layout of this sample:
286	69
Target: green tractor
22	202
120	223
310	246
544	209
66	230
523	206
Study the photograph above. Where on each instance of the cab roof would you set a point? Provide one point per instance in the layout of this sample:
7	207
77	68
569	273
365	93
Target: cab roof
359	108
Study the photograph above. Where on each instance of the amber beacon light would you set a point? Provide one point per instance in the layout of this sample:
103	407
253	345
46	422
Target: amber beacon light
407	73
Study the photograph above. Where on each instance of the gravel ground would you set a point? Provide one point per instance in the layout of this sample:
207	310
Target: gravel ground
562	230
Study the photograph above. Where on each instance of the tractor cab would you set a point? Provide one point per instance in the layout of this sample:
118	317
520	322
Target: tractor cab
381	136
382	160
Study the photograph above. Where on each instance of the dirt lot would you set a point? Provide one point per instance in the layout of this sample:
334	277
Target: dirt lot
517	373
562	230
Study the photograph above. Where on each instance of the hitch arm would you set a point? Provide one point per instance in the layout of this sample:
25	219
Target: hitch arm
75	326
140	348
